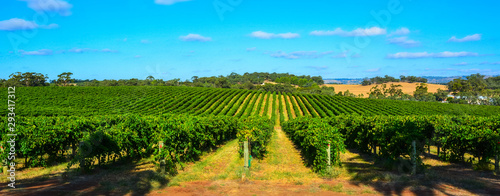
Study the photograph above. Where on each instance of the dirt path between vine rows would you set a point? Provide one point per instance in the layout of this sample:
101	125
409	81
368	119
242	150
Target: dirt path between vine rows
243	103
291	107
298	106
281	172
270	107
261	110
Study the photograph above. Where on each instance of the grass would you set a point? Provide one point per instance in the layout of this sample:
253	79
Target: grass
213	166
41	173
282	163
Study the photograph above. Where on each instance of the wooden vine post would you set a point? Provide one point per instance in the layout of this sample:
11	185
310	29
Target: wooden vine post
162	161
329	159
246	153
414	157
4	165
497	151
82	159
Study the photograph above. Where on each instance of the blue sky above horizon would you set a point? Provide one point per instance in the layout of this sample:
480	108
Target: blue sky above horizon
182	38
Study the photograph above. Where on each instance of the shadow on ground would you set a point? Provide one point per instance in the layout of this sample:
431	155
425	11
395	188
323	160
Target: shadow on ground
445	179
118	179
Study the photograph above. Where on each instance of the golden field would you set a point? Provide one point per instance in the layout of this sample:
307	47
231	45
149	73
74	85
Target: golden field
407	88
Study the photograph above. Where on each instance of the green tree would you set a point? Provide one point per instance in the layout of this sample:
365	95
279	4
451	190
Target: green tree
441	95
64	79
394	91
27	79
420	92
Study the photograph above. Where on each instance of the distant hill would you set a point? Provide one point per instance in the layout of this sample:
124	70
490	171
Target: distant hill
430	79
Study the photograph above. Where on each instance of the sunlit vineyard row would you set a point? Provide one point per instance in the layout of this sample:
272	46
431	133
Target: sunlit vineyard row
89	101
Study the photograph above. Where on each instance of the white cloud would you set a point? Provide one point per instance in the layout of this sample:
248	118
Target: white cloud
373	70
58	6
404	41
252	49
461	64
17	24
137	56
318	67
299	54
414	55
357	32
288	35
109	50
490	63
265	35
145	41
400	31
344	55
50	26
42	52
169	2
195	37
86	50
468	38
448	54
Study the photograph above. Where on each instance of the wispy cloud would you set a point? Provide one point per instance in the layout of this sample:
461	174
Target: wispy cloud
15	24
108	50
42	52
251	49
404	41
468	38
344	55
319	68
373	70
299	54
357	32
63	8
265	35
195	38
86	50
47	52
399	32
145	41
429	71
415	55
490	63
50	26
169	2
461	64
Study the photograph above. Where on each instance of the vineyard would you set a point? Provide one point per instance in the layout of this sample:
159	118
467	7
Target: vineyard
93	126
90	101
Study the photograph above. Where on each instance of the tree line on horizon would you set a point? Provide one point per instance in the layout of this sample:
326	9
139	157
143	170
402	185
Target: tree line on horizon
386	79
474	89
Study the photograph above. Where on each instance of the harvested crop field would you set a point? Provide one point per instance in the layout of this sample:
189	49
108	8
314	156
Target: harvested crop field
407	88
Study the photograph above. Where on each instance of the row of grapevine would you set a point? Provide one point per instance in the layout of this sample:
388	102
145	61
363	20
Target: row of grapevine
106	138
258	131
314	136
393	135
90	101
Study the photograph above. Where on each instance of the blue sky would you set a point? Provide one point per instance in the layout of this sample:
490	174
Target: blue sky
181	38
